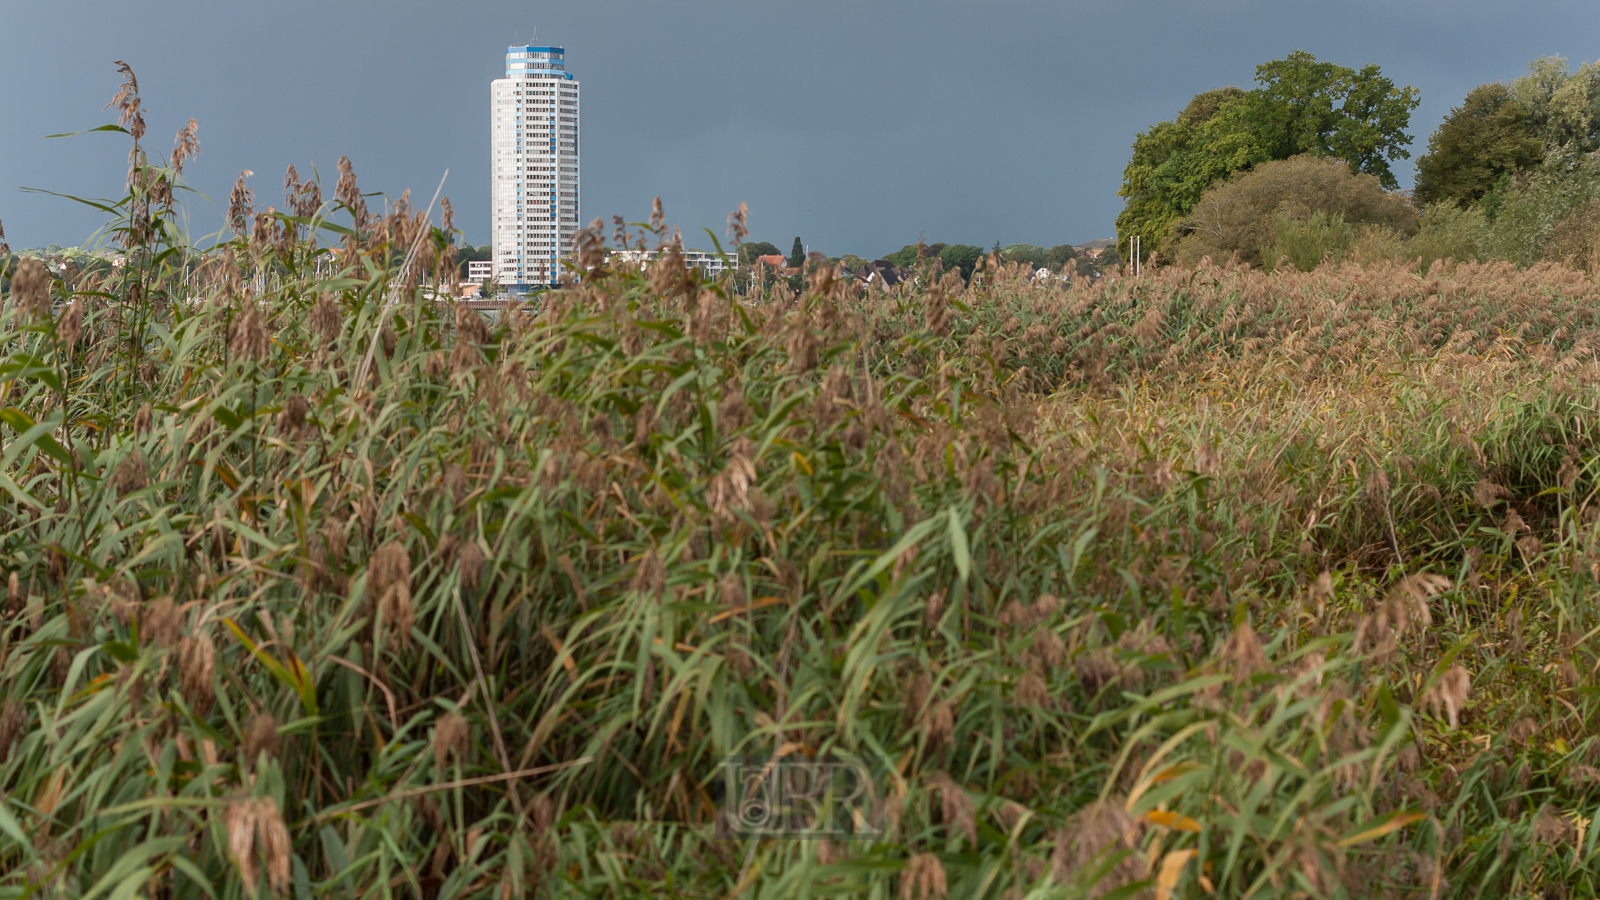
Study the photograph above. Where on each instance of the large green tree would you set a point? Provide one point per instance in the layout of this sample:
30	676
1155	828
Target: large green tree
749	252
797	256
1301	105
1481	140
1563	106
1308	106
961	256
949	256
1175	162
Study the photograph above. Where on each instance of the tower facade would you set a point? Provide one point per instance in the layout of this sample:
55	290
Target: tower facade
535	166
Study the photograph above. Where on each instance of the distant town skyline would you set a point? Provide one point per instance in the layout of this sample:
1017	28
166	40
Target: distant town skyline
857	126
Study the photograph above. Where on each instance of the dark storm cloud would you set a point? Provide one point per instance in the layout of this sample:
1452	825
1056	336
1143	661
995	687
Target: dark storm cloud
857	125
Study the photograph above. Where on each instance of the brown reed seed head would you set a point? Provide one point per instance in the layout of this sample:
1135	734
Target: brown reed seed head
240	203
131	474
293	416
291	185
5	248
450	736
956	808
1486	493
240	820
658	219
738	229
1048	648
255	825
923	879
197	671
346	192
129	112
1093	829
938	723
275	844
1031	690
248	340
185	146
469	561
30	287
1451	693
327	319
389	583
162	624
70	328
1096	668
729	491
1243	650
731	590
260	736
1550	827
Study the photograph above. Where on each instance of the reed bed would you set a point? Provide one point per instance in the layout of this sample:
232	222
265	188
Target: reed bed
1214	583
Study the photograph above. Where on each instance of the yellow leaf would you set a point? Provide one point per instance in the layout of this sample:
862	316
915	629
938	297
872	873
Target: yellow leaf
1175	821
1171	871
1382	826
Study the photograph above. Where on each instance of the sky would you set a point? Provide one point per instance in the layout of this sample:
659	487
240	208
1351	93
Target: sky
857	125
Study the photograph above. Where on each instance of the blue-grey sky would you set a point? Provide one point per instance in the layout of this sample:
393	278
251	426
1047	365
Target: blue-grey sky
856	124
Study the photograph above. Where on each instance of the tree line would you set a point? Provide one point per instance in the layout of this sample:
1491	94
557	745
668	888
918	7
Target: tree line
1061	260
1298	168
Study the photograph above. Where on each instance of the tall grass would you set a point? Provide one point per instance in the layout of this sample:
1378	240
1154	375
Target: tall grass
1210	584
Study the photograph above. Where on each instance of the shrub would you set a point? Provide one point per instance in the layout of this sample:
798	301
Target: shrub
1449	232
1241	215
1534	204
1306	243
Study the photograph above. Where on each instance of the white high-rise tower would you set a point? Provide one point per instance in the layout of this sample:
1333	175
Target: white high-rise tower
535	166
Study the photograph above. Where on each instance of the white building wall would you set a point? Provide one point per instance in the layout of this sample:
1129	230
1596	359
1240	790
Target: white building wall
535	166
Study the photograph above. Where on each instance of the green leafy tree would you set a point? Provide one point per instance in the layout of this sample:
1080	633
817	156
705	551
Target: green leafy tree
1308	106
1563	106
911	254
1063	256
1035	257
797	256
1175	162
468	253
1056	259
1301	105
960	256
1487	136
749	252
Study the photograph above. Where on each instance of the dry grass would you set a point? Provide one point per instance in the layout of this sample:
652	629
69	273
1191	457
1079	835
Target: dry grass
1214	583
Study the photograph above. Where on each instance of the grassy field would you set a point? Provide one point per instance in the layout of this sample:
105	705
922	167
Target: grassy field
1211	583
